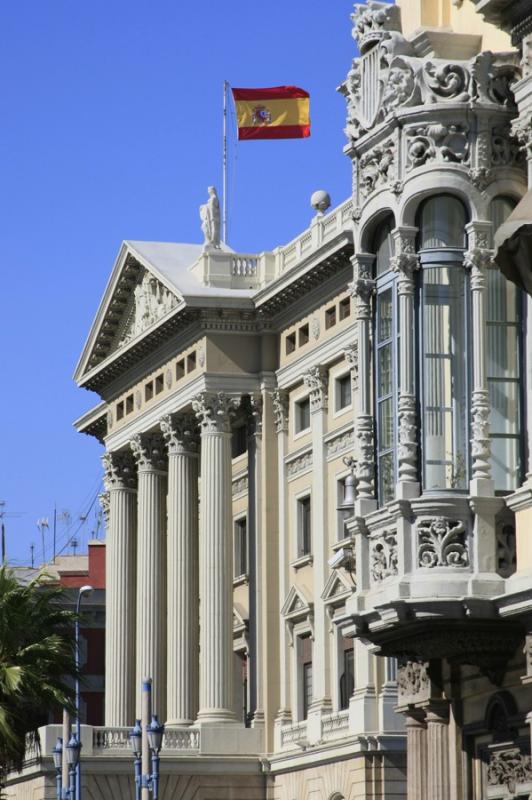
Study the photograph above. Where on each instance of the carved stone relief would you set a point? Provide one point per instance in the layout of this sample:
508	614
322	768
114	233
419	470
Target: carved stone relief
383	556
442	543
376	167
413	682
151	302
437	142
508	768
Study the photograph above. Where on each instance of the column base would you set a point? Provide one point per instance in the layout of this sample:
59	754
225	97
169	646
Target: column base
179	723
407	490
363	711
217	716
258	719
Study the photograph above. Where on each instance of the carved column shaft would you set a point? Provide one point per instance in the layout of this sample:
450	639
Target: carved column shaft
438	777
363	289
477	260
183	588
216	585
416	758
120	562
151	569
405	263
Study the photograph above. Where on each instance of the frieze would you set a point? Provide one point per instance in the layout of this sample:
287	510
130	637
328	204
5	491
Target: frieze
240	485
384	556
344	441
442	543
299	464
151	302
508	768
413	682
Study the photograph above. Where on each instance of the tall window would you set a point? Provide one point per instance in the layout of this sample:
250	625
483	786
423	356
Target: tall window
240	548
347	675
385	361
304	529
302	415
443	351
503	357
305	673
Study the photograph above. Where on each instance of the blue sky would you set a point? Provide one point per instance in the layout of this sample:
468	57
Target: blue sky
111	130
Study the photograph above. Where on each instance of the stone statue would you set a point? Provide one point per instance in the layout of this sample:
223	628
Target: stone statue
210	220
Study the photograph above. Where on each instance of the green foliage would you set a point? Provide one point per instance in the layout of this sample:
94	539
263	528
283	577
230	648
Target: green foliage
36	660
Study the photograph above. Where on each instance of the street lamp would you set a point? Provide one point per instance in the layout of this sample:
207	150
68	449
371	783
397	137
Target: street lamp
57	754
72	757
146	740
85	591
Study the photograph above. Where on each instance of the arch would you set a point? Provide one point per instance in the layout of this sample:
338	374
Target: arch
512	185
336	796
501	711
441	181
371	227
442	220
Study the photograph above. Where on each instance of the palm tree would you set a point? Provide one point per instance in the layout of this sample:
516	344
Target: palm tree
36	661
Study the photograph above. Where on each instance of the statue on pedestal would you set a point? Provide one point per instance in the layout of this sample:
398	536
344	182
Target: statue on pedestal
210	220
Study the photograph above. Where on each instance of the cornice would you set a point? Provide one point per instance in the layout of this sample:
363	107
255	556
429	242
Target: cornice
325	353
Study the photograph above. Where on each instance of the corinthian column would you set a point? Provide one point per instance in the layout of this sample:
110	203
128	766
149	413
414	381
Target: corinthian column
120	484
363	288
404	263
438	777
416	756
182	578
477	260
216	587
148	450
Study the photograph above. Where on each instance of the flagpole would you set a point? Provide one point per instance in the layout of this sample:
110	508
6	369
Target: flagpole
224	170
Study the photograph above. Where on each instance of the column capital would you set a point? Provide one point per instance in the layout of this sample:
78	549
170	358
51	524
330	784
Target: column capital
363	265
477	260
351	356
362	289
119	470
317	380
214	411
253	407
479	234
280	409
180	433
148	452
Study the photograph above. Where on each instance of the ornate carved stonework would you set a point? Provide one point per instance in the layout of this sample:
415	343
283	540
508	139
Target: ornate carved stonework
119	471
214	411
437	142
376	167
351	356
152	301
280	409
413	681
256	410
240	485
365	467
383	556
315	328
317	380
506	549
508	768
340	444
480	430
148	451
302	463
407	449
442	543
180	433
105	504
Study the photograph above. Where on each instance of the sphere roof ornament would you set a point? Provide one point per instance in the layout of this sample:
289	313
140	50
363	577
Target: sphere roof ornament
320	201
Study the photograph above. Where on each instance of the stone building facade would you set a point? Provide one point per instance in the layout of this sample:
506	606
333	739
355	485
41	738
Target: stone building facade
316	461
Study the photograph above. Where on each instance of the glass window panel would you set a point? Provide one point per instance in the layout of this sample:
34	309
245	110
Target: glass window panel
386	477
501	305
386	424
385	315
502	351
383	246
504	398
443	221
505	463
444	378
385	370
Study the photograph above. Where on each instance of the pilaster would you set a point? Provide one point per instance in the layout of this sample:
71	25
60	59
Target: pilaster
216	588
438	774
121	489
148	451
180	434
416	756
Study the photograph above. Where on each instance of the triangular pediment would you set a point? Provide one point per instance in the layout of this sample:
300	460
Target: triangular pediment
296	604
138	297
337	588
240	622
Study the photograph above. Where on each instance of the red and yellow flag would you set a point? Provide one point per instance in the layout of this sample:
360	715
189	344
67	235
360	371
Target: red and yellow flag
280	112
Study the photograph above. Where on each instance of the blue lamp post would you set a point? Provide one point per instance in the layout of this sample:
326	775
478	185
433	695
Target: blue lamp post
146	739
72	750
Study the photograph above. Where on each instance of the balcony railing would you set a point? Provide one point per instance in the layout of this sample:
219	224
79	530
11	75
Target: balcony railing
334	726
174	739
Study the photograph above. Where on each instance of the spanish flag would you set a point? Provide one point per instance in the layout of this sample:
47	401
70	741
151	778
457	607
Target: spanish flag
281	112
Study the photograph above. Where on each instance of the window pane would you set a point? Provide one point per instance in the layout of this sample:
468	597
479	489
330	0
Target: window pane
444	378
385	370
505	463
304	526
383	246
443	222
347	679
384	313
501	208
502	350
504	397
386	477
343	392
386	424
302	415
307	688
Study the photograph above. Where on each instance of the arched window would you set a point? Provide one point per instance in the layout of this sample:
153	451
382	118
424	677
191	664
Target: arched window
443	344
386	343
503	355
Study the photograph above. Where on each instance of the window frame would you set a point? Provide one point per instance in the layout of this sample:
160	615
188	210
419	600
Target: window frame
338	380
300	500
386	282
241	557
298	402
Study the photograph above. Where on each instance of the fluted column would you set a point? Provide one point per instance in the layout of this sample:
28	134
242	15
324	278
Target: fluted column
477	260
416	757
182	579
148	450
121	491
280	411
216	586
363	288
438	778
404	263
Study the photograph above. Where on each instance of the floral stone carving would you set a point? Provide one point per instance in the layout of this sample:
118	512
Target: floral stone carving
442	543
438	142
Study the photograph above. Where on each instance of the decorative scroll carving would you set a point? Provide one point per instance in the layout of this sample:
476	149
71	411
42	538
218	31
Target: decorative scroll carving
302	463
448	81
437	142
148	451
119	471
508	768
280	409
384	556
152	301
376	167
214	411
442	543
506	550
180	433
413	681
317	380
351	356
365	467
494	75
